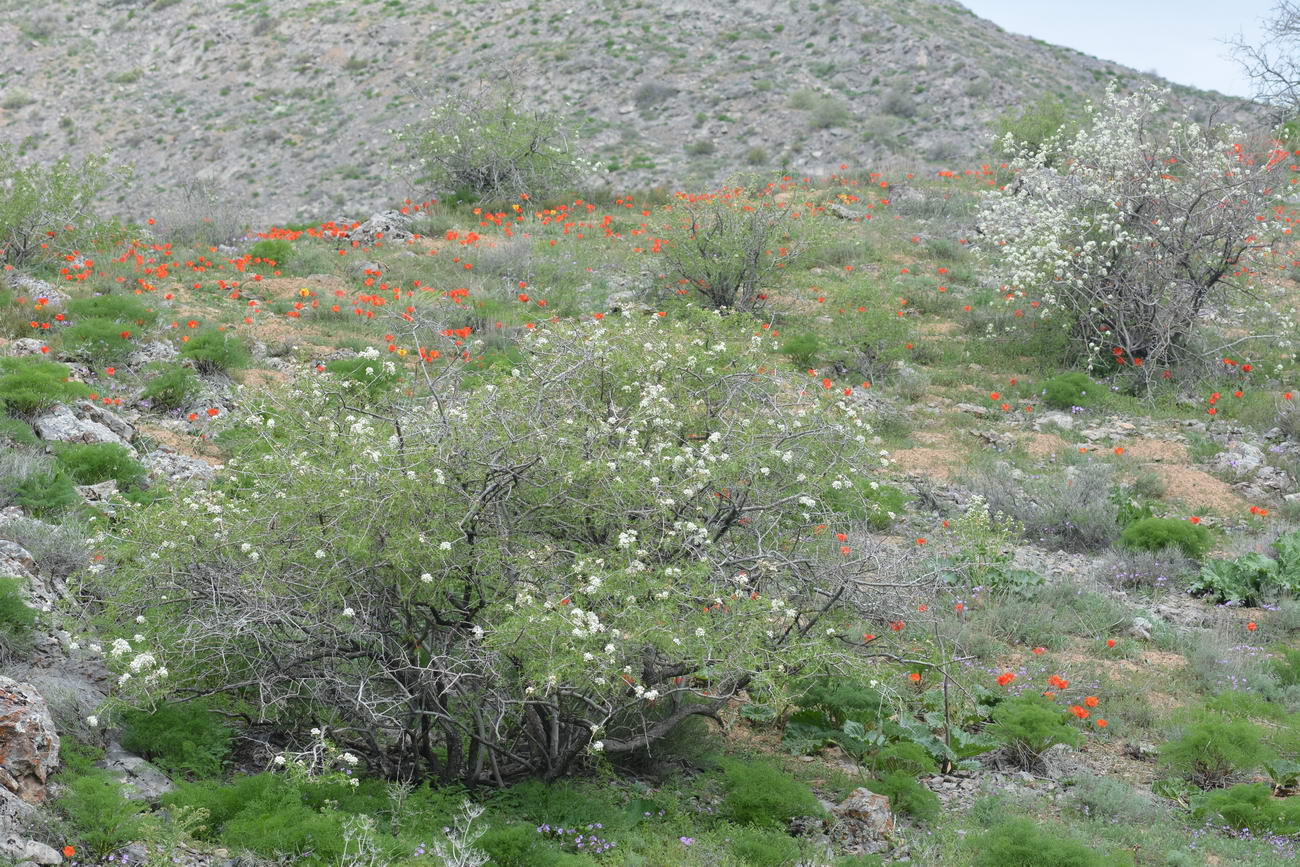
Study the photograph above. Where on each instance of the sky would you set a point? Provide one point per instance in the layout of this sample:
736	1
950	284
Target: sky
1181	40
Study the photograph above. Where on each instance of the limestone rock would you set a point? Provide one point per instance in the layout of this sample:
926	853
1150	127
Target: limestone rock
29	745
865	822
167	465
1240	459
144	782
62	424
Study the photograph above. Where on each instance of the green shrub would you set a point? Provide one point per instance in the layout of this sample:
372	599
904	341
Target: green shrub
276	250
1108	798
370	378
1022	843
17	432
103	820
517	846
214	351
1254	577
1034	125
59	550
1053	508
1157	534
907	796
16	617
907	757
1250	807
1212	749
170	386
1286	666
180	738
98	341
121	308
802	349
763	847
92	463
862	498
1028	725
40	200
490	145
43	494
760	793
28	386
1069	390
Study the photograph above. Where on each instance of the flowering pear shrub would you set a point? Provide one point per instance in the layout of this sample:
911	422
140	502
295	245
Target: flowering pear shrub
1135	231
622	531
486	145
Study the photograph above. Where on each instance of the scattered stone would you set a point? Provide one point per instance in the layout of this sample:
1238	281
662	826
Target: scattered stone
844	213
974	410
1063	420
29	745
25	346
100	493
28	851
154	350
1140	628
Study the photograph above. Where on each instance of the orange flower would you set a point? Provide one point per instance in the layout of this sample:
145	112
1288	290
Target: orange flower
1194	519
1091	701
1252	626
1101	723
897	625
1005	678
1110	642
69	851
915	677
1078	711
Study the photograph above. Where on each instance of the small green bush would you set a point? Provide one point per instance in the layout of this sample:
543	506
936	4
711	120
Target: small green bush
1022	843
180	738
517	846
92	463
120	308
17	432
1157	534
762	847
276	250
103	821
760	793
1251	807
99	341
16	616
1212	749
42	494
1028	725
170	386
372	378
214	351
908	757
907	796
28	385
1070	390
1254	577
1108	798
802	349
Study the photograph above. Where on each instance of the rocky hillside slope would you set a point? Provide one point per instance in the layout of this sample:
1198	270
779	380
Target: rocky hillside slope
287	106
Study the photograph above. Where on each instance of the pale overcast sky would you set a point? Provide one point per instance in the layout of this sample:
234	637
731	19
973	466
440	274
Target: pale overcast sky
1181	41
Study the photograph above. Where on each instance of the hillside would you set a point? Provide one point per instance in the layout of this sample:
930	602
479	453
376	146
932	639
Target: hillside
285	107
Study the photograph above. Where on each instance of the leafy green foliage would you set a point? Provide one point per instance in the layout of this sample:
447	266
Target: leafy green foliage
802	349
906	795
1212	749
1250	807
276	250
1035	125
214	351
43	494
180	738
102	818
1022	843
170	386
760	793
1070	390
92	463
489	145
907	757
39	202
17	432
1253	577
764	847
28	385
1156	534
121	308
367	378
1028	725
16	617
98	341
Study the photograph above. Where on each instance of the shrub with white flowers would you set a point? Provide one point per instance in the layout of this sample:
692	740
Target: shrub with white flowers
1137	232
571	558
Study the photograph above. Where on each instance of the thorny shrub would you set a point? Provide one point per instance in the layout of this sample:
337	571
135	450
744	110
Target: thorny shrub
624	530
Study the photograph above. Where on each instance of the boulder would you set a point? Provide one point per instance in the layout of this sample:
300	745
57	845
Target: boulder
865	822
1239	459
29	745
142	780
167	465
12	845
388	226
100	493
25	346
62	424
